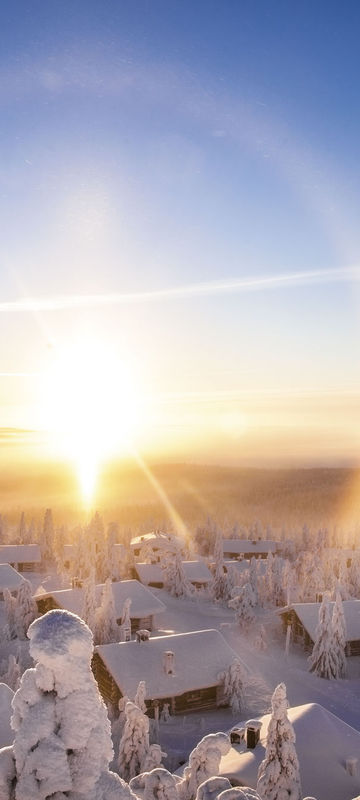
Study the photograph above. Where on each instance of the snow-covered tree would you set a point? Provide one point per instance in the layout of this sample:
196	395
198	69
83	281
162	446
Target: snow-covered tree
83	557
323	660
22	532
220	584
242	604
279	772
107	629
25	610
10	609
134	743
12	673
339	635
204	762
47	537
139	698
234	680
260	641
88	613
175	580
62	745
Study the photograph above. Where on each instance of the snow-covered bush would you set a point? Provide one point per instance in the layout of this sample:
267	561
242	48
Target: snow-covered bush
62	745
134	743
204	762
157	784
240	793
279	772
212	787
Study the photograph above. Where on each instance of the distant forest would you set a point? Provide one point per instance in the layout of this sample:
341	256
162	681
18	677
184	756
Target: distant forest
276	498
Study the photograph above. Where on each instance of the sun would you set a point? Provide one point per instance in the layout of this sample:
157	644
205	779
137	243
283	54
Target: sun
90	407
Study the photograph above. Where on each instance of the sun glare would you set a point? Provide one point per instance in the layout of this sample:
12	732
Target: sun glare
90	408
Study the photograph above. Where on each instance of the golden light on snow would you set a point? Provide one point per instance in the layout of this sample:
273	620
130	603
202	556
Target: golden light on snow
89	408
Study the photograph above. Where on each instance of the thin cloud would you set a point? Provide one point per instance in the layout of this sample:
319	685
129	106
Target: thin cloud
239	285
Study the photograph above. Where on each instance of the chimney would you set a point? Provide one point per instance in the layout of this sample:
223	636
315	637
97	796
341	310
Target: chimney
253	727
169	662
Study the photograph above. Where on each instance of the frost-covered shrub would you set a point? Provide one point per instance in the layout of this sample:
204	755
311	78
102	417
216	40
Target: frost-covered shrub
279	772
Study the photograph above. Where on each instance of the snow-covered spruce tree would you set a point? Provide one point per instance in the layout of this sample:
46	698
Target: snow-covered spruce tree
175	580
279	772
83	558
134	743
314	580
22	532
234	680
204	762
88	613
12	674
242	604
62	745
10	607
220	584
339	635
25	610
112	540
139	699
323	660
107	629
47	537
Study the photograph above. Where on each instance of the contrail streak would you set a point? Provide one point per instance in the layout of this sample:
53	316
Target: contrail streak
261	283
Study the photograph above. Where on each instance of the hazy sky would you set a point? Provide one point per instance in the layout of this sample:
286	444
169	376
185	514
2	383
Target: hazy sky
206	147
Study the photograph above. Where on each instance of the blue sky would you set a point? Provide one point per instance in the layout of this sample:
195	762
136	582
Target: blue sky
150	145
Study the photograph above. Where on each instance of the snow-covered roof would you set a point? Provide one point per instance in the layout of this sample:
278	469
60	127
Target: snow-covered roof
156	539
323	743
195	572
143	601
199	657
308	614
10	578
20	553
250	546
6	734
